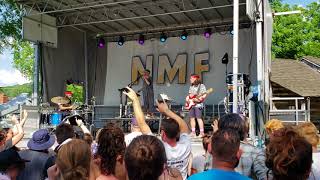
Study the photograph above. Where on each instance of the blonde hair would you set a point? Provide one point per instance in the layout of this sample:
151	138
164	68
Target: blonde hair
309	131
74	159
273	125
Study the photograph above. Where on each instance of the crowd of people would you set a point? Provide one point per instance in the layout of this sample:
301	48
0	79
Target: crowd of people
72	153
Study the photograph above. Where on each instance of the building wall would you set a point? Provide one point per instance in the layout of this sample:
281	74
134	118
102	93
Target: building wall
279	91
3	98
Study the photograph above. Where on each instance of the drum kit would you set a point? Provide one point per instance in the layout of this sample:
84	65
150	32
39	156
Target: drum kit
51	117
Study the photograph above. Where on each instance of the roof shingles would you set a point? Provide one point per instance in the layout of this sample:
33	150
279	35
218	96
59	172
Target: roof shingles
313	59
297	77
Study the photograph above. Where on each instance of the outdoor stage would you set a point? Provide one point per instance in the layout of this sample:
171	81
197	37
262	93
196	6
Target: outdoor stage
173	39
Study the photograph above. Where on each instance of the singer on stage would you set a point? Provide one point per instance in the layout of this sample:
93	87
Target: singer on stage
147	91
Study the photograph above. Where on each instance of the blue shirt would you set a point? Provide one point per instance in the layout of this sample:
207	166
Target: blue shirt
218	174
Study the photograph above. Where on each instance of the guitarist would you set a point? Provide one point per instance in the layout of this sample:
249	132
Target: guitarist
195	112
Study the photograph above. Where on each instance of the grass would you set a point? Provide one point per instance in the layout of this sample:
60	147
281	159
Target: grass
13	91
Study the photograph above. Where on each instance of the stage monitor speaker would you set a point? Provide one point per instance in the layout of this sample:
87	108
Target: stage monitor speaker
225	59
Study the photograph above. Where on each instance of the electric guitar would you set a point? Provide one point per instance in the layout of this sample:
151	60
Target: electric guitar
189	99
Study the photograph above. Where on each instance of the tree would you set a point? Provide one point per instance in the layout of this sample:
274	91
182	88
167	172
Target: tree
10	36
23	56
311	47
10	23
296	35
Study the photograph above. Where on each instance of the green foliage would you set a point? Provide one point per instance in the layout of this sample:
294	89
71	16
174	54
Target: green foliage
296	35
13	91
23	56
77	93
10	23
10	36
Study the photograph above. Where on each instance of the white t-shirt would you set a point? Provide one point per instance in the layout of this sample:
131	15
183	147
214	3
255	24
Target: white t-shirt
315	171
198	163
178	156
129	137
4	177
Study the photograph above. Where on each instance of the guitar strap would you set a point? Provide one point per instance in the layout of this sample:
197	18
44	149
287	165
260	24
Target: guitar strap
198	90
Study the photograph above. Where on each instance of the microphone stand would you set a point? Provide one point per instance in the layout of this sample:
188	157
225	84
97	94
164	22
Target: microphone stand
123	111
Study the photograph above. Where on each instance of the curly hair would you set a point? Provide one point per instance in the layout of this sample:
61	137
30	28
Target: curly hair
74	159
309	131
110	144
273	125
289	156
145	158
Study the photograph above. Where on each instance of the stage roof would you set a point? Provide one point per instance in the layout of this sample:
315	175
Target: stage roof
128	17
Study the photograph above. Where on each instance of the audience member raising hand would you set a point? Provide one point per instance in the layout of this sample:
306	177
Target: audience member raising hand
7	143
174	134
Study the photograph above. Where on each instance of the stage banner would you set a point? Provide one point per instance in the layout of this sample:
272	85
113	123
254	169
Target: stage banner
171	63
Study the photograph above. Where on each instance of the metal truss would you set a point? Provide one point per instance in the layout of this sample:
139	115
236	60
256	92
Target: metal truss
106	16
106	20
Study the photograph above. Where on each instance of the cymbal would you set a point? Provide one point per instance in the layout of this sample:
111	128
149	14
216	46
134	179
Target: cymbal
60	100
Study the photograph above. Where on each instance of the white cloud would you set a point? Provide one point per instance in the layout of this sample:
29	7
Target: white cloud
13	77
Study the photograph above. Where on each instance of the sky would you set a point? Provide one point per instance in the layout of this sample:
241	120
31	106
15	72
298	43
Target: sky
298	2
10	76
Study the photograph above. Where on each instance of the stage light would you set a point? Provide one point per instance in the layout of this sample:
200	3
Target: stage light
231	31
207	33
121	41
225	59
101	42
184	35
141	39
163	37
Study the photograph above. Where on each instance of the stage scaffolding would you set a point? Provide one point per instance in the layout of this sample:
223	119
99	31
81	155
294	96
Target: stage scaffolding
130	18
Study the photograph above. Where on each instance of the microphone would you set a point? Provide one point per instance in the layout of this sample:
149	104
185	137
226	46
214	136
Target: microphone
139	76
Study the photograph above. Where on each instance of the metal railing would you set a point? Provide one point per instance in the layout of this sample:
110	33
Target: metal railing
297	109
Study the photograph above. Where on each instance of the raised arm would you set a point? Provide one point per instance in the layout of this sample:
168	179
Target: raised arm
164	109
65	107
22	122
24	117
147	80
144	127
82	126
17	138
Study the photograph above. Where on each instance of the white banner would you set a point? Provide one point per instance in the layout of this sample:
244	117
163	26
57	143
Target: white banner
198	53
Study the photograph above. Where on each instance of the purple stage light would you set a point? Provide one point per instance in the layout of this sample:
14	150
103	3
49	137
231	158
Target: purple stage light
141	39
101	43
207	33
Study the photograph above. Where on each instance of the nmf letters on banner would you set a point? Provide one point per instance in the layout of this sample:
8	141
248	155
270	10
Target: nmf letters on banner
170	69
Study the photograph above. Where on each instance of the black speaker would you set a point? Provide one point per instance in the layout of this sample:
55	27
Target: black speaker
225	59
